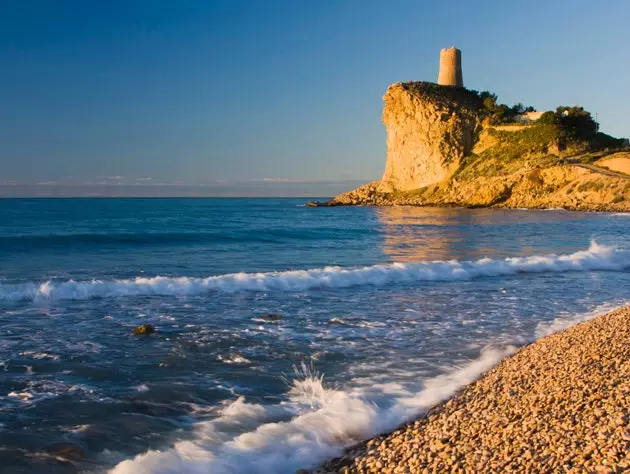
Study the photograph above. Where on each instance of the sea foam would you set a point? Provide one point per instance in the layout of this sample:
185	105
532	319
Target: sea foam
320	422
596	257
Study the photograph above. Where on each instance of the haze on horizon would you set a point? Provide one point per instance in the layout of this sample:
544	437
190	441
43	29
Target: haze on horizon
278	98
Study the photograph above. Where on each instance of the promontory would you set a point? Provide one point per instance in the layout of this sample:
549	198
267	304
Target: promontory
451	146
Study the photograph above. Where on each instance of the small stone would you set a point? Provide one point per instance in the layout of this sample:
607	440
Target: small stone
271	316
144	330
556	423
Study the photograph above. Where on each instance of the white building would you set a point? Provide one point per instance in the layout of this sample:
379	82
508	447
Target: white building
528	117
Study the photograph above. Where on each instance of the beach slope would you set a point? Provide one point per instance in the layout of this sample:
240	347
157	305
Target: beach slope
561	404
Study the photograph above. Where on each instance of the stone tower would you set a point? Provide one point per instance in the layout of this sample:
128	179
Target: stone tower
451	67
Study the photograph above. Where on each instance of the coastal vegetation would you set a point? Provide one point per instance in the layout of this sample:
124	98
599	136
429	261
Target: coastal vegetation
497	113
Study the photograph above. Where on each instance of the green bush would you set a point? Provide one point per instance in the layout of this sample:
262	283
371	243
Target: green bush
576	118
548	118
500	113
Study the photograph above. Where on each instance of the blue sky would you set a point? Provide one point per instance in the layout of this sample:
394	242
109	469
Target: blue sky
182	93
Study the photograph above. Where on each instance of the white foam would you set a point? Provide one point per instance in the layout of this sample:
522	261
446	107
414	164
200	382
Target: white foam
320	422
567	320
234	359
40	355
22	395
37	390
317	422
596	257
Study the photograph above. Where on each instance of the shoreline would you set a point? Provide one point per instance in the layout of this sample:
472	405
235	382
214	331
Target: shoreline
558	404
594	208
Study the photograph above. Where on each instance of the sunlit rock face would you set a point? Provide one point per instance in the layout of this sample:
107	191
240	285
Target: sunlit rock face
430	129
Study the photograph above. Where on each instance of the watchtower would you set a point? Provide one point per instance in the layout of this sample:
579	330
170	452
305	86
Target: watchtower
451	67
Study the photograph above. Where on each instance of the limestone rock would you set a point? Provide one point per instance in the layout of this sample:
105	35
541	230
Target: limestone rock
430	129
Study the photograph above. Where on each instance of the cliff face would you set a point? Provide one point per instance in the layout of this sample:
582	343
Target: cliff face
430	129
440	153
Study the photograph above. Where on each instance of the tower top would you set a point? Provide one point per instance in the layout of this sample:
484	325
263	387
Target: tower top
451	67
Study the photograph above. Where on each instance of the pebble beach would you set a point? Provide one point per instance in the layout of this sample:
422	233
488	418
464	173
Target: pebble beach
560	404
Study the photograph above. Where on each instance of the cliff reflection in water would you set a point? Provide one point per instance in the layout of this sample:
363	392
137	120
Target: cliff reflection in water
415	234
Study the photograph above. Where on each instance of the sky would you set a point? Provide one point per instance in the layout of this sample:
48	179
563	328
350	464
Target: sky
275	97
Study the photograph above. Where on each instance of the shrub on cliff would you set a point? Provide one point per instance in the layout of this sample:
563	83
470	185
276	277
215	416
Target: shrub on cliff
602	141
500	113
576	118
448	97
548	118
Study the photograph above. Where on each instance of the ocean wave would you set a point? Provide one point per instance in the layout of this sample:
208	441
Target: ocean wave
320	422
596	257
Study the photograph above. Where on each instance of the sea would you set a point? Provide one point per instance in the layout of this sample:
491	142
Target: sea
378	315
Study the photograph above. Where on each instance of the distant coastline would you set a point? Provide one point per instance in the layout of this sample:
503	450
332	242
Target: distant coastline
320	189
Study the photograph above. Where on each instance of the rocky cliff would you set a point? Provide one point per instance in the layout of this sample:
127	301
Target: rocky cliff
430	129
442	151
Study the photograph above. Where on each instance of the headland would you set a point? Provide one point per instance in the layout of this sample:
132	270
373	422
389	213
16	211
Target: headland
451	146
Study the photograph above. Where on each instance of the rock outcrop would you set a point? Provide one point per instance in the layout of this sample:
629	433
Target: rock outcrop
430	129
442	151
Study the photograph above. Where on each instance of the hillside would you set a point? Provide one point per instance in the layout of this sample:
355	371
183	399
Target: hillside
450	146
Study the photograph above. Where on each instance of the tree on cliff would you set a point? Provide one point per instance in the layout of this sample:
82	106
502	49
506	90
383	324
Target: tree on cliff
576	118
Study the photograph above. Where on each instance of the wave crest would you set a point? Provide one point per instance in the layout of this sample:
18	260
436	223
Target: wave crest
317	422
596	257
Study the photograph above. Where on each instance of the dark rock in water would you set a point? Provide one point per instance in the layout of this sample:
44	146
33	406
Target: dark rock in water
144	330
330	203
65	451
271	316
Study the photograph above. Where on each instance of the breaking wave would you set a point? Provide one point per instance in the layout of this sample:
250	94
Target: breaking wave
317	422
596	257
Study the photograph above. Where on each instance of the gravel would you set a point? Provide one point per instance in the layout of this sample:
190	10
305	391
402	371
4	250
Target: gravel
561	404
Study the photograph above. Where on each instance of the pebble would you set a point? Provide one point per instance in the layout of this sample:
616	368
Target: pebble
560	404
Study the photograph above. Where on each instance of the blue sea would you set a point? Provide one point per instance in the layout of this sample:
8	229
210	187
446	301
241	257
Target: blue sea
384	312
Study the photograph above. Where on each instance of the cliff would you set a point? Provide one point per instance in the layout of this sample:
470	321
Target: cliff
430	129
443	151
